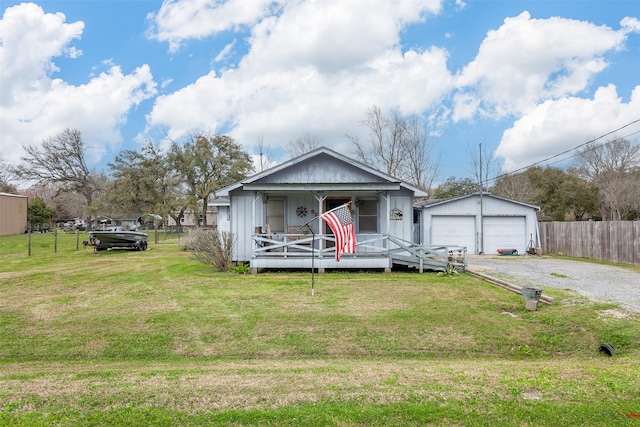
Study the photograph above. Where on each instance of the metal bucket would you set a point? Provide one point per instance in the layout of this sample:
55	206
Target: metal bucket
531	293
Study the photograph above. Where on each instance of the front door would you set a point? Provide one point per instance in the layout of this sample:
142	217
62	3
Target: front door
332	203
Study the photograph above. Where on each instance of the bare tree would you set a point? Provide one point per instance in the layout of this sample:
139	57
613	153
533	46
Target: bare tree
303	144
264	151
421	166
399	147
482	164
619	195
383	151
61	162
613	167
617	155
5	179
516	187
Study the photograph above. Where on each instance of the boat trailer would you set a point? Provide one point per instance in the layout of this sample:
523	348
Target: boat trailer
140	245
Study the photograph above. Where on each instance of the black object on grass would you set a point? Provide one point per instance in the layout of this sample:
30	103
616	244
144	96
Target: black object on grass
607	349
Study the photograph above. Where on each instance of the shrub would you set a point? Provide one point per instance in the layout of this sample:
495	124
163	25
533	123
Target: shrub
241	269
211	247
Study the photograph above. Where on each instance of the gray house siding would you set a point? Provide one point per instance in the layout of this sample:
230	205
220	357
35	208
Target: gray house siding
242	224
308	186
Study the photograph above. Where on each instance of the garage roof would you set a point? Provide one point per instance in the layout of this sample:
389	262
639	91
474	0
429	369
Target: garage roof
437	202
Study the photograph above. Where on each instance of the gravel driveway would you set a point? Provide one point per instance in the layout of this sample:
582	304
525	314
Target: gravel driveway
595	281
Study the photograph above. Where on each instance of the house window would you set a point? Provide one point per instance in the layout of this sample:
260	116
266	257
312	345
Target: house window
275	215
368	216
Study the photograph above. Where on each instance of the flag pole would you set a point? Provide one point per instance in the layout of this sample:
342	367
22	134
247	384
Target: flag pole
313	242
313	254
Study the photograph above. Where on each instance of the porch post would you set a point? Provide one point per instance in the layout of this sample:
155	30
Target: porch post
385	213
320	197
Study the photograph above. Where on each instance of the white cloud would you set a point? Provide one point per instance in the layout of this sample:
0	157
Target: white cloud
225	51
37	106
529	60
180	20
332	36
558	125
630	25
30	39
315	69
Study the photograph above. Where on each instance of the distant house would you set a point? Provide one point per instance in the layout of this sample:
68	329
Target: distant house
483	223
274	215
188	220
13	214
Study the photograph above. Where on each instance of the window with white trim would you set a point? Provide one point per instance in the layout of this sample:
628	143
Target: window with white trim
275	215
367	216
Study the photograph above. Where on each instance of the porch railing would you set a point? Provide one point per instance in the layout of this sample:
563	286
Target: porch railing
304	245
367	245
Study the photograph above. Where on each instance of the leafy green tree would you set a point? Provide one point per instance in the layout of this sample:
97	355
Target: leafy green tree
145	182
547	182
579	195
38	212
206	164
558	192
454	187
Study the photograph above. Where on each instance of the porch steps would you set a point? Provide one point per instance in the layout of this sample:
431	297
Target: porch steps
420	264
424	257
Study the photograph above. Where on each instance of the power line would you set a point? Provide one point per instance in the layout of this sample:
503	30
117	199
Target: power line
520	170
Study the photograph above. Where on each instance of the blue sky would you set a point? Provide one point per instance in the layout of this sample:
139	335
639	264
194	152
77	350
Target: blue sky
527	79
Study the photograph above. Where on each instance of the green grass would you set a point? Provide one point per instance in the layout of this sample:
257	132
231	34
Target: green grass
156	338
559	275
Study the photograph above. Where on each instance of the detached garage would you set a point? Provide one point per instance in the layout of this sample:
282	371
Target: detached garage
483	223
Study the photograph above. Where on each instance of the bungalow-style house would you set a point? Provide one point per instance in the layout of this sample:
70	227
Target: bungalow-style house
275	216
483	223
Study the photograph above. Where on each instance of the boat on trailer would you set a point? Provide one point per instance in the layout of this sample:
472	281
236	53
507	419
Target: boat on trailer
117	237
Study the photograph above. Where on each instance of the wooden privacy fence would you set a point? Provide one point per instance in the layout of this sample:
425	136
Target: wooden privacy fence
616	241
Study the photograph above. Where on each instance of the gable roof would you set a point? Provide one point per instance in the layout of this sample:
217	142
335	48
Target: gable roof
437	202
321	169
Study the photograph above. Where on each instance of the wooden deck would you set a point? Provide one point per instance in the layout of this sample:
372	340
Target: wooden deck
373	251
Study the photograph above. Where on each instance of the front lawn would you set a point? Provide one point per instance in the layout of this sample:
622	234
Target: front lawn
156	338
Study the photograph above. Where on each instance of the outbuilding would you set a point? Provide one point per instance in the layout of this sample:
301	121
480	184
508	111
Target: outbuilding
13	214
482	222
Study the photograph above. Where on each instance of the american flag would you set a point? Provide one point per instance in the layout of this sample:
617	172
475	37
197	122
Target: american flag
339	219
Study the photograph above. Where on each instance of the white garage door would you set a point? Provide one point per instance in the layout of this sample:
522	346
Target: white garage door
504	232
454	231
